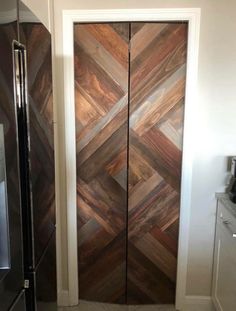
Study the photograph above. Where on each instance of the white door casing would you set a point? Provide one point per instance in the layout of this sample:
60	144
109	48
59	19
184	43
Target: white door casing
192	16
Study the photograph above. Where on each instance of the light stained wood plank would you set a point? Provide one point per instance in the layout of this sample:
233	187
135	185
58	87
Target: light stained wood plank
111	41
144	37
118	163
159	103
139	194
170	132
85	112
158	75
92	132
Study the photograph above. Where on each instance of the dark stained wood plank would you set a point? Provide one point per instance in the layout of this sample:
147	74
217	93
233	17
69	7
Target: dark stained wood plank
100	54
103	275
95	81
121	29
173	37
155	209
158	255
158	75
155	160
136	27
147	284
168	154
167	241
103	155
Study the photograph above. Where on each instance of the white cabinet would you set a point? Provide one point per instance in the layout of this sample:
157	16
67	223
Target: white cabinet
224	275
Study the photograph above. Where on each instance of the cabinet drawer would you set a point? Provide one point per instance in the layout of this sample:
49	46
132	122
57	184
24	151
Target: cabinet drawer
224	276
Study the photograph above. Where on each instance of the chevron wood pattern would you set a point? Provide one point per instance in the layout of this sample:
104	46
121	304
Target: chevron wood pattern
41	131
154	81
101	86
157	88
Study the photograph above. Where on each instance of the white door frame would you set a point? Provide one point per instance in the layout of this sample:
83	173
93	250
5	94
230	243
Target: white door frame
192	16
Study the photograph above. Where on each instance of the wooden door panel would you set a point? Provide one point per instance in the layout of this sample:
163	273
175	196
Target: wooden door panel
157	89
101	99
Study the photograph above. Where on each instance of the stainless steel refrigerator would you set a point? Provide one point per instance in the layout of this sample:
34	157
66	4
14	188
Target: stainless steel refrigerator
12	293
27	183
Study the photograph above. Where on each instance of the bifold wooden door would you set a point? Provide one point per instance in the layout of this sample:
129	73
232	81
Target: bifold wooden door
129	97
101	92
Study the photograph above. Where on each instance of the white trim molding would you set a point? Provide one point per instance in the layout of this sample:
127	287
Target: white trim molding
192	16
198	303
63	298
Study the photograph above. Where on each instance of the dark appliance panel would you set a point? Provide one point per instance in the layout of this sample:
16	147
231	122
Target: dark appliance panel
11	269
37	39
46	289
26	197
19	304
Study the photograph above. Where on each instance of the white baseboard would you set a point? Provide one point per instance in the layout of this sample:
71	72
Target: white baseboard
198	303
191	303
63	298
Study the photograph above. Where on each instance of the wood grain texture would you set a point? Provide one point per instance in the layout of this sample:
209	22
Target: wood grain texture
101	83
158	60
39	67
157	88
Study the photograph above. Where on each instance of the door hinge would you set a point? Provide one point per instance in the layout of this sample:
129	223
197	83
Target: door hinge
26	283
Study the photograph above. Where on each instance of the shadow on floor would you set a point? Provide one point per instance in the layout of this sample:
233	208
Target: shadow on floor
92	306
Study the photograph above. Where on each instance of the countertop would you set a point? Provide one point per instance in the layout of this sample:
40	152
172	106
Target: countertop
224	199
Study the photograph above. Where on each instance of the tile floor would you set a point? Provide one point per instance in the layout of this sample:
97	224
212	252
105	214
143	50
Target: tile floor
90	306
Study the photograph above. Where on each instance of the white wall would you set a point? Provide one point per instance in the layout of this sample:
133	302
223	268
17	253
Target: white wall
7	5
215	136
42	9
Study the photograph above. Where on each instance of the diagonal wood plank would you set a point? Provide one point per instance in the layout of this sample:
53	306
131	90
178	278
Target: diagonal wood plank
111	40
